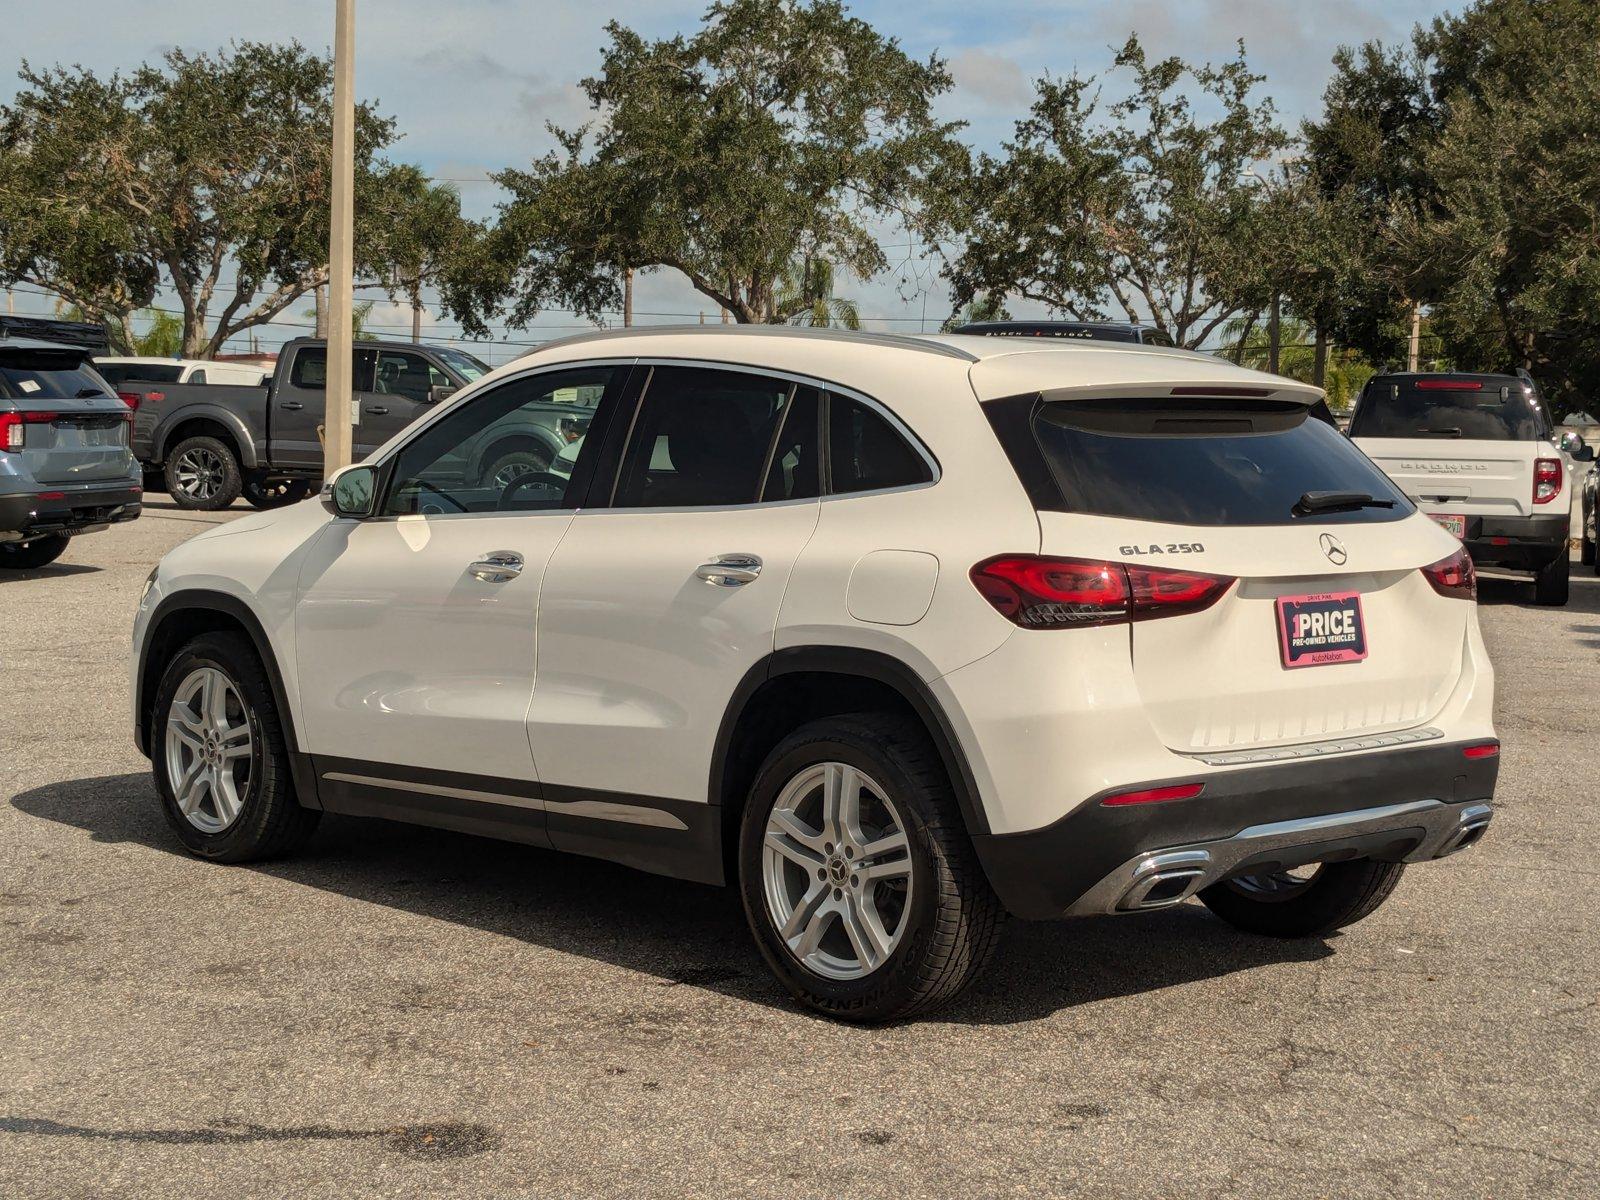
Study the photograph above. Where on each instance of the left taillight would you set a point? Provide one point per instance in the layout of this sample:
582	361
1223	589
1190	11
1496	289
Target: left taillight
13	427
1546	479
1453	576
1039	592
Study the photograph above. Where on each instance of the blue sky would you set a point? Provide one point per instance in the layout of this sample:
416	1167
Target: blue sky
472	82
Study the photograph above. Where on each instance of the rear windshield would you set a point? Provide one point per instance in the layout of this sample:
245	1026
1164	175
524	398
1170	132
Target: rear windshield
1487	409
46	377
1212	463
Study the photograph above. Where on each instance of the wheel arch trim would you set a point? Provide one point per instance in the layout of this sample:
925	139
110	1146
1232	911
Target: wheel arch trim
868	664
207	600
243	444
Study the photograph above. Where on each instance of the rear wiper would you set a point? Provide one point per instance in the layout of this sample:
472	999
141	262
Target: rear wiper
1321	502
90	394
1448	431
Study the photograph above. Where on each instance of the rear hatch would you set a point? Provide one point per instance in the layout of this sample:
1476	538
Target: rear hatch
1454	443
72	427
1315	622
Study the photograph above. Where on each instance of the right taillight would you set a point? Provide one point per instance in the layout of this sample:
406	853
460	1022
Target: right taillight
1546	479
13	432
131	399
1038	592
1453	576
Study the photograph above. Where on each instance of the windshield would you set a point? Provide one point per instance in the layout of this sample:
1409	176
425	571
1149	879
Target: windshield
1486	408
464	364
1207	464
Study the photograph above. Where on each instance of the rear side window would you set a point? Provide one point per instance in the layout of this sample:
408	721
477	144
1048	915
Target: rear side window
1206	463
1486	409
866	453
116	373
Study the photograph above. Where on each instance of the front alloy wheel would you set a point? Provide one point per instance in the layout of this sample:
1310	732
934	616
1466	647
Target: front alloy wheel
836	871
210	750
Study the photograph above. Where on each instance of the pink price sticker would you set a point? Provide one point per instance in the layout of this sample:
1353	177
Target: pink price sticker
1316	631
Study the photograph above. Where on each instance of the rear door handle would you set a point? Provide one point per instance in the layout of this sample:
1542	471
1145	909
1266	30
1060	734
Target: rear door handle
292	405
377	410
730	570
497	566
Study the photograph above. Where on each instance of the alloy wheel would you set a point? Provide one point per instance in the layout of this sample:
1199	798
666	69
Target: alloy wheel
836	871
210	749
199	473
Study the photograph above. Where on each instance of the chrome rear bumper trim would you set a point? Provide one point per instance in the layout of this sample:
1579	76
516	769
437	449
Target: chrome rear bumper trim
1164	877
1373	741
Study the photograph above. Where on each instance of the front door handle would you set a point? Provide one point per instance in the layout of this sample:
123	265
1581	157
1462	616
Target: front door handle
730	570
378	410
497	566
292	405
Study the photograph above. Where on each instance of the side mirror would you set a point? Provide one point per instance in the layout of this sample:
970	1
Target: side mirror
1583	454
351	492
441	391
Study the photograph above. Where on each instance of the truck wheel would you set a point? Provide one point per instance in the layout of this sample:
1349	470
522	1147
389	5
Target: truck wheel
1553	582
513	464
262	493
202	473
858	878
37	553
1307	902
218	754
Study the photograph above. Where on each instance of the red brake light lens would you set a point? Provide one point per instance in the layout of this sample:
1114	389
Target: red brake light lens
1482	750
1449	385
1453	576
1037	592
1546	479
131	399
12	434
1156	795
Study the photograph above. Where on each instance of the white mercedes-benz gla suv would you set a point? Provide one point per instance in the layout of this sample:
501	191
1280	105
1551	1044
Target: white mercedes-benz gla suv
896	634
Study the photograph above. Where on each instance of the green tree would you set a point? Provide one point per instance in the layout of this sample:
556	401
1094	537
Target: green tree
983	308
781	132
424	233
805	288
207	174
1142	207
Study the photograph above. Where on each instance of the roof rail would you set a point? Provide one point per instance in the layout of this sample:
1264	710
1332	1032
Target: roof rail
902	341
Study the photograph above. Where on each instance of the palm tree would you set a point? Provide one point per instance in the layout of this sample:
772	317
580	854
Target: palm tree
804	296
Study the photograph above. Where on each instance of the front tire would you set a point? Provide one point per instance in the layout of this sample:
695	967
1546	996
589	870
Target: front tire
1286	905
219	757
40	552
203	473
1553	582
858	878
262	493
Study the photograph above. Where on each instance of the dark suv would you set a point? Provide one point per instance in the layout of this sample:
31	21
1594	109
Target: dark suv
1097	331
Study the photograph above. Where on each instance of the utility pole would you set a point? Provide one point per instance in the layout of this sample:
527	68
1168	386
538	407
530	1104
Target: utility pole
339	415
1416	337
319	296
1319	359
416	310
627	297
1275	333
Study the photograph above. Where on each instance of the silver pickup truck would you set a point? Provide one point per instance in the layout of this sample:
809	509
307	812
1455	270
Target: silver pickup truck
213	443
65	468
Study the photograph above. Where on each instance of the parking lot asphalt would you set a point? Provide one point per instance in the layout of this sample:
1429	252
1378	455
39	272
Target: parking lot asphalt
408	1012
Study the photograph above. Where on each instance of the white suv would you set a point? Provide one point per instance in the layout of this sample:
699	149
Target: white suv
897	634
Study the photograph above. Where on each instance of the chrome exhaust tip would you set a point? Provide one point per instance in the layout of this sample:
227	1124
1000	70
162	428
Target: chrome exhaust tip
1163	880
1468	831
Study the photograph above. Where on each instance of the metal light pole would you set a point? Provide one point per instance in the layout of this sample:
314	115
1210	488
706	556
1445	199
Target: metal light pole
340	415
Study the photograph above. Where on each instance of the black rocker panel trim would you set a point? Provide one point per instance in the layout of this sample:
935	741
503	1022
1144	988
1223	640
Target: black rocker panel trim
650	833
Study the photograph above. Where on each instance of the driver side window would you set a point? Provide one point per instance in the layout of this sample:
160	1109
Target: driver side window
511	449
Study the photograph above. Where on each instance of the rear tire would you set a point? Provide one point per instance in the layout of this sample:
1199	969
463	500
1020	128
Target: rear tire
920	901
1553	582
262	494
235	808
512	464
38	553
203	473
1339	894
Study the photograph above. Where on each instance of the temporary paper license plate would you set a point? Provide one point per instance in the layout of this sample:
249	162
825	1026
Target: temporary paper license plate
1453	522
1316	630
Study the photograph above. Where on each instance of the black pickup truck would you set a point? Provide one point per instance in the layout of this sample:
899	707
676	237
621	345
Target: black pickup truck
215	442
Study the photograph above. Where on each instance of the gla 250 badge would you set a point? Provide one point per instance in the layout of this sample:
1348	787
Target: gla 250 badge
1168	548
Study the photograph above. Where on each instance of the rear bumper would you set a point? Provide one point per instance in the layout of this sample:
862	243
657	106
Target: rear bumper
55	511
1408	804
1526	542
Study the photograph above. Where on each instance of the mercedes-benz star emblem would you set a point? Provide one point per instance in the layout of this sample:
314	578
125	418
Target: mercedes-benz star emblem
1334	549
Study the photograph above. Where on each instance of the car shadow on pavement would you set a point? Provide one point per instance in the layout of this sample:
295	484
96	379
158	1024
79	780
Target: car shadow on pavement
56	568
1497	590
680	933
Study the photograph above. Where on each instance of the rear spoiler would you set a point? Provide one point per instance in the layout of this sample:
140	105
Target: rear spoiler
89	337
